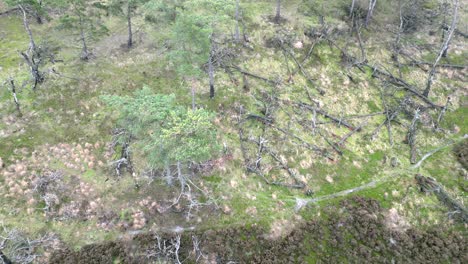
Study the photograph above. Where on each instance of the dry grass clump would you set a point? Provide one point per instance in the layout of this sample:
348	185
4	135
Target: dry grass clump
35	182
139	220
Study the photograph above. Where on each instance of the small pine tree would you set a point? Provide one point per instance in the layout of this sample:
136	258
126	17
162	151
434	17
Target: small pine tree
167	132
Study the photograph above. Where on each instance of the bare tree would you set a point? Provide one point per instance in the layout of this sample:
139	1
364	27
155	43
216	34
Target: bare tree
211	68
34	61
129	24
84	51
443	48
15	98
237	33
19	248
278	11
370	11
351	9
32	44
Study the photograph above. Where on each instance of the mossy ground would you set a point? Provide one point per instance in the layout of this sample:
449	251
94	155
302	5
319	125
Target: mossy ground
68	109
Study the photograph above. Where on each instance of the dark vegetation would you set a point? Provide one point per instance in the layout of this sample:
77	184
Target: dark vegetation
353	231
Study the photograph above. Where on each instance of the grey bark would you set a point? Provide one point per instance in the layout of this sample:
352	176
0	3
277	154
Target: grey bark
412	137
351	10
84	52
211	69
397	47
32	44
129	23
237	33
15	98
370	11
430	77
168	174
34	66
278	11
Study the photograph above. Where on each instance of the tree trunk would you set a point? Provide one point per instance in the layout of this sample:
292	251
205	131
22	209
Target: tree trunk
191	81
370	11
37	14
211	70
84	52
129	22
278	11
180	177
34	66
351	10
168	174
443	49
32	44
15	98
237	33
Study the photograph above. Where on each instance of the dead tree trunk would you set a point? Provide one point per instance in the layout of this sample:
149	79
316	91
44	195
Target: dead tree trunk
34	66
397	45
211	69
278	11
129	24
4	258
237	32
37	14
168	174
351	9
191	81
370	11
412	137
84	52
443	49
442	113
32	44
15	98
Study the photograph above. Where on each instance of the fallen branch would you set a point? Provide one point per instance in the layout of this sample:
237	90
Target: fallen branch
358	129
301	68
434	151
339	121
377	73
301	203
253	75
9	11
430	185
452	66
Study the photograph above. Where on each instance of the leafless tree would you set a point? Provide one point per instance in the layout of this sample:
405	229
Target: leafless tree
237	14
16	247
370	11
11	82
211	67
84	50
34	61
129	25
351	9
32	44
278	11
443	48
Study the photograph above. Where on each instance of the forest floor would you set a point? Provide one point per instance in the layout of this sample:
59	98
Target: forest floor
358	197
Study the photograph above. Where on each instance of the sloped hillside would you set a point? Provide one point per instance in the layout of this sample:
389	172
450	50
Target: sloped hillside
233	131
